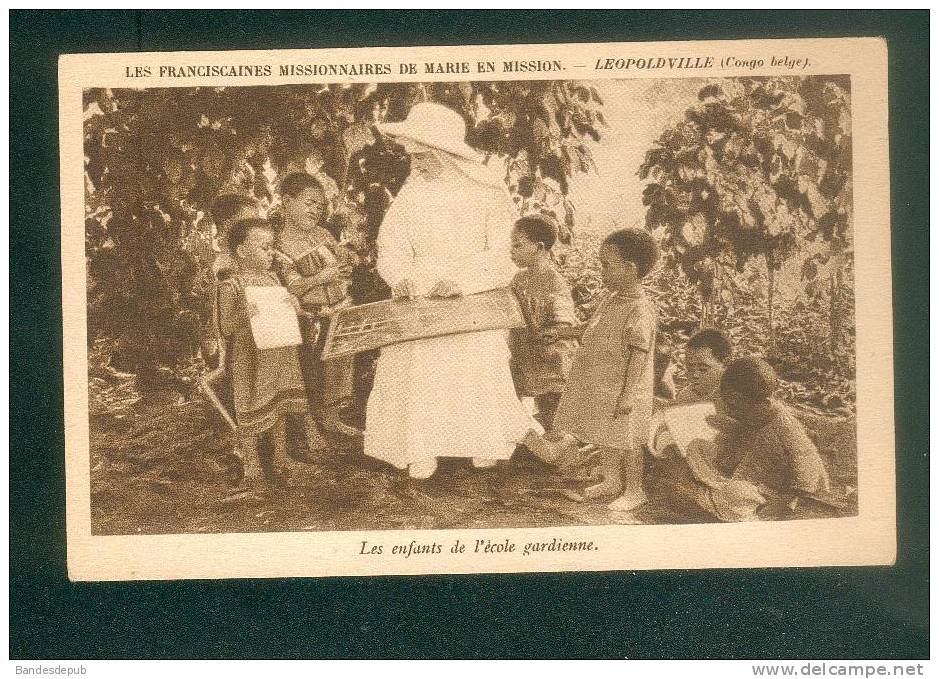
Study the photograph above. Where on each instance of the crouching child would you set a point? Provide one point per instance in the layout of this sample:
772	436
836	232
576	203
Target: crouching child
761	455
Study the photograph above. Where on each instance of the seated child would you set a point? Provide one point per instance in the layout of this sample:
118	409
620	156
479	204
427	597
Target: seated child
608	397
540	362
705	355
318	274
226	210
267	384
761	454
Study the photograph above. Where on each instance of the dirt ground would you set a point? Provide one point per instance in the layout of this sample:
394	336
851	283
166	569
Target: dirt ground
162	465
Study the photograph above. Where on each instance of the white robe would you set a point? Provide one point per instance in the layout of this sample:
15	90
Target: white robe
449	396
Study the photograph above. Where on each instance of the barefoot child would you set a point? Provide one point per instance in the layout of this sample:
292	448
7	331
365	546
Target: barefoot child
318	276
267	384
540	359
608	398
761	454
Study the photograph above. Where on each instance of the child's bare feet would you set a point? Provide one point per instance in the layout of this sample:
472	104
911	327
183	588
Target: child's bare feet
333	424
550	452
610	470
628	501
422	470
283	467
251	472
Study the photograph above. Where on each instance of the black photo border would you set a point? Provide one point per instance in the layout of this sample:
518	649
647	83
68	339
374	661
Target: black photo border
764	613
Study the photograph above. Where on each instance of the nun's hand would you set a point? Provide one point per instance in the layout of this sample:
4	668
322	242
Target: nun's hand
445	289
402	289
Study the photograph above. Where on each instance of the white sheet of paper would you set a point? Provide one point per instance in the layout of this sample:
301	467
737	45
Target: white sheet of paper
276	323
688	422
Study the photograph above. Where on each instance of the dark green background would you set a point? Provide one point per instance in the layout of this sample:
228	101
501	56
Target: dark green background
819	613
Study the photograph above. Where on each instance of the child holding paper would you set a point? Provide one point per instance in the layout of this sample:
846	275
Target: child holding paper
267	383
706	354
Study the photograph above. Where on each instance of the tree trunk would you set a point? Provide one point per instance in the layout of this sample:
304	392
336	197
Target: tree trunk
708	299
834	320
770	299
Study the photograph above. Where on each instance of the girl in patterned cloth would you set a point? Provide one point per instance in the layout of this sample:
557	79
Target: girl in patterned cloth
267	384
608	398
540	362
318	274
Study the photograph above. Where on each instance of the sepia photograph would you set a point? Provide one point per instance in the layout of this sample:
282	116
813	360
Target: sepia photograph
529	334
400	296
474	304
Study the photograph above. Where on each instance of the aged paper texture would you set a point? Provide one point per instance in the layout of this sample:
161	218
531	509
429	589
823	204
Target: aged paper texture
677	223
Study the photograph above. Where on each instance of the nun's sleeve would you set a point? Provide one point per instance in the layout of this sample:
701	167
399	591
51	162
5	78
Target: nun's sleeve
395	260
492	266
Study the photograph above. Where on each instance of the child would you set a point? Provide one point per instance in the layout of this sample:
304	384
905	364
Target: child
267	384
608	398
540	364
318	274
705	355
226	210
761	454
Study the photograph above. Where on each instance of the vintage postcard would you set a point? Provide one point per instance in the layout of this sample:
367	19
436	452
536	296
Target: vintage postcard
496	308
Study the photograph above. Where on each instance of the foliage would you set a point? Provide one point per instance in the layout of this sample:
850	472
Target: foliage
155	159
758	168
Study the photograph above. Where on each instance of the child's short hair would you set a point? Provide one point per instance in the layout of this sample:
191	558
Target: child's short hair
636	246
750	376
240	230
296	182
228	205
538	230
715	340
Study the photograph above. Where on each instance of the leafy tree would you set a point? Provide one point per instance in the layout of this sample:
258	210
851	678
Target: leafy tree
755	170
155	159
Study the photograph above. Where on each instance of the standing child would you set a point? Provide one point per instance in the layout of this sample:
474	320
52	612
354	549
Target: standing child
608	398
318	275
540	362
267	384
761	454
226	210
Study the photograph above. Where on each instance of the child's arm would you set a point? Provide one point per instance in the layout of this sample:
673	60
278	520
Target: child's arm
298	284
562	322
807	470
231	309
635	366
560	332
639	339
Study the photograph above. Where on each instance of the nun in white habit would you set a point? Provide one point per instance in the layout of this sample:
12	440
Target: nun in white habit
447	233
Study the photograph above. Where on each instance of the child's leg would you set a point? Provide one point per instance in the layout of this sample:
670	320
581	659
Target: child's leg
281	463
633	468
247	451
315	440
547	405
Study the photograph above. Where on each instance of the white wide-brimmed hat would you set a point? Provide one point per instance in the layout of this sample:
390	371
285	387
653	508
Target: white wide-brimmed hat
436	126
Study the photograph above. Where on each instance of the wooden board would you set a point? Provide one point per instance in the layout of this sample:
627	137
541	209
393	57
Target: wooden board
372	326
